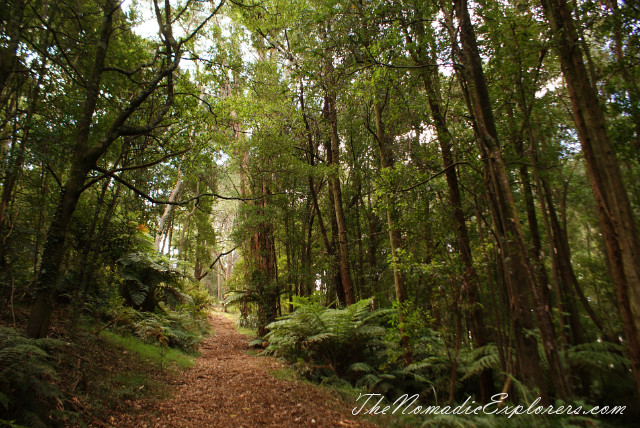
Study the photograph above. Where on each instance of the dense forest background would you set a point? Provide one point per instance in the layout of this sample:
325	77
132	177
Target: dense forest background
436	196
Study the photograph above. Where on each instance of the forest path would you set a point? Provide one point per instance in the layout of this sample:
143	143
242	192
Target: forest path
229	388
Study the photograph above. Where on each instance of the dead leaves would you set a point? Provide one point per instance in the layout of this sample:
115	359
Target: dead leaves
228	388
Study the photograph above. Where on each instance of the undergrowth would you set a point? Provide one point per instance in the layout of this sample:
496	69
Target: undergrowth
28	393
82	379
357	349
158	354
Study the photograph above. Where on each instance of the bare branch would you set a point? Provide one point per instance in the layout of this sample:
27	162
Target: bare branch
181	203
216	261
129	168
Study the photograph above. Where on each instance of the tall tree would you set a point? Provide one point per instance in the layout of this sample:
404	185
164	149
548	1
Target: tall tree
89	148
614	210
395	236
519	275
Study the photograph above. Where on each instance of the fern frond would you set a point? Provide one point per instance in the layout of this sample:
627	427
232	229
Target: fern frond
601	356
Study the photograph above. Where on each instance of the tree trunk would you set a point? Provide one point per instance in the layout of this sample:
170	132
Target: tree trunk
185	224
519	274
85	158
162	224
264	266
82	163
17	158
614	210
395	237
471	283
330	246
345	268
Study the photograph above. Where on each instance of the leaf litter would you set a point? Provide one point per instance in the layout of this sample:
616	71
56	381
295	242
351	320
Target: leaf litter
229	388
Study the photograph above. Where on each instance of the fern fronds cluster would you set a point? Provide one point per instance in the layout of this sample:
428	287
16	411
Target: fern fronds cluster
329	341
27	391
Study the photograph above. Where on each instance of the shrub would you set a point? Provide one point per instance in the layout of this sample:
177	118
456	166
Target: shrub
176	329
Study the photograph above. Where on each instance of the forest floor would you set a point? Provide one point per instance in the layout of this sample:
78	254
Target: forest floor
229	387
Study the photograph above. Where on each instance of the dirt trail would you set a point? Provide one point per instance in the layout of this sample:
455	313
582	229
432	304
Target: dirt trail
228	388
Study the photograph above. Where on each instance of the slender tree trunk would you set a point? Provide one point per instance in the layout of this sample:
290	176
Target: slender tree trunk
17	157
168	210
395	237
614	210
185	224
360	267
471	283
519	274
308	283
335	268
372	249
332	250
345	266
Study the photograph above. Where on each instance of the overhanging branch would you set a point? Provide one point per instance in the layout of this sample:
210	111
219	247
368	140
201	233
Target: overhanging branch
153	200
129	168
216	261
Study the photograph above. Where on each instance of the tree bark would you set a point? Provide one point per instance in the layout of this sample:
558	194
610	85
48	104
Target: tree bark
519	273
162	224
614	210
345	267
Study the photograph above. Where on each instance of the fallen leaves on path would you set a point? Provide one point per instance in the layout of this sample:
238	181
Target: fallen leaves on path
229	388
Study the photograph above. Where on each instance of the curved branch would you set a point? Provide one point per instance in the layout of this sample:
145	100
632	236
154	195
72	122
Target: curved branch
153	200
216	261
129	168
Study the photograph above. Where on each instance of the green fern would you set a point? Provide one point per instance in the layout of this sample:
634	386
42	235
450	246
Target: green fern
27	391
599	356
328	339
481	359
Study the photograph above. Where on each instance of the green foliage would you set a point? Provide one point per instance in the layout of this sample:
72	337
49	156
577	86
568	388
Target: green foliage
181	329
143	275
27	379
480	359
417	327
599	356
328	342
177	329
260	293
608	365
